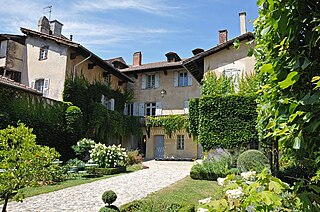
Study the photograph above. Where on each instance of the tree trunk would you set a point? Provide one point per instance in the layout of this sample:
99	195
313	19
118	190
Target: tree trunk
6	199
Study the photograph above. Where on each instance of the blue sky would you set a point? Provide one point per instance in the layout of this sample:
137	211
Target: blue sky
112	28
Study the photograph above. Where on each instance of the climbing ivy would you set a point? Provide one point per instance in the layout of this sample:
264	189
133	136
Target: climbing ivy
287	52
100	123
171	123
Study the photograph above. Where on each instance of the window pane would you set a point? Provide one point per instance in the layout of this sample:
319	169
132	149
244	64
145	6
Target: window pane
39	85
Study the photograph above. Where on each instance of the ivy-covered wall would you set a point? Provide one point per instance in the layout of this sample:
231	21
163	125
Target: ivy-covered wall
101	124
47	118
224	120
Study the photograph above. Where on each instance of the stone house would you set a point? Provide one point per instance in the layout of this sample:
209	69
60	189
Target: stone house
44	59
224	58
161	89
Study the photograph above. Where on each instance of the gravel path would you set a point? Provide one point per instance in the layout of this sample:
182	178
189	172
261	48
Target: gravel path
87	197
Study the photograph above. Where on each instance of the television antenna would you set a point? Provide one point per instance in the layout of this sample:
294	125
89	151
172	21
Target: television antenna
50	10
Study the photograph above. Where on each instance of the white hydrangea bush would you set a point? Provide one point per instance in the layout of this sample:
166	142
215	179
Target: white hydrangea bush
109	156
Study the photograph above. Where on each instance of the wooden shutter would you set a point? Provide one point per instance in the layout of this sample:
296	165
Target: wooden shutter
111	104
158	108
186	107
141	109
125	110
32	84
157	81
175	79
143	81
189	79
103	100
136	109
46	87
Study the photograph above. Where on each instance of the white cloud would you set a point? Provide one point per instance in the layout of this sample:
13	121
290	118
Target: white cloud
150	6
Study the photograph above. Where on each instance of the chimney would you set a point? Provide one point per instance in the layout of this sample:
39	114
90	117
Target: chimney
223	36
197	51
56	27
243	28
172	57
137	57
43	25
71	37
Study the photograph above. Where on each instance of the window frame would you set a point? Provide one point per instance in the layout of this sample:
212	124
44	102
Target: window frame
150	108
150	81
42	87
43	53
183	81
130	109
180	142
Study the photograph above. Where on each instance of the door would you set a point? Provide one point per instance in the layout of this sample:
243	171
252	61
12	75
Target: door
158	146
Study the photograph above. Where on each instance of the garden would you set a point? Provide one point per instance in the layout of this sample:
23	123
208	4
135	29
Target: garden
260	132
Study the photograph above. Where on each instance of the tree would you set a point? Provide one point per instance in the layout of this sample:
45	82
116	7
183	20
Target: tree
21	160
287	52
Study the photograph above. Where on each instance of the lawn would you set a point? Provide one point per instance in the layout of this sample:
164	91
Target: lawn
184	192
78	180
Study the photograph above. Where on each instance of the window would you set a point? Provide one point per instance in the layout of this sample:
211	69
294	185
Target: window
106	78
151	81
180	142
150	109
39	85
183	79
130	109
43	55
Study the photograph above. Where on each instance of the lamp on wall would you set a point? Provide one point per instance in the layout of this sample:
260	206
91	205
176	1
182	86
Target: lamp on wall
163	92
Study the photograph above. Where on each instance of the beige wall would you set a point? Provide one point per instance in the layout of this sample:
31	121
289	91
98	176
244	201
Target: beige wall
170	145
53	68
16	60
175	97
230	58
92	75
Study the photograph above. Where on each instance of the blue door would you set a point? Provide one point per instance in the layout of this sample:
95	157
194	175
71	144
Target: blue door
159	147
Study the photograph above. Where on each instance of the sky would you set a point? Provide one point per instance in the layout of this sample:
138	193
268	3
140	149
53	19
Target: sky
113	28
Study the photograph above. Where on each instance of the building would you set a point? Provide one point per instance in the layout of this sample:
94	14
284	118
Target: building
224	58
161	89
44	59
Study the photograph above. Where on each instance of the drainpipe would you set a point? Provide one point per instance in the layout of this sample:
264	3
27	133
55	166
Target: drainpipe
74	67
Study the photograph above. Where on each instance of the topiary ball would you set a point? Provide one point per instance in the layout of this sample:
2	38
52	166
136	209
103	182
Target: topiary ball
252	160
109	197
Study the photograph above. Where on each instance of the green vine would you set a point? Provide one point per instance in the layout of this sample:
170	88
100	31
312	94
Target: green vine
171	123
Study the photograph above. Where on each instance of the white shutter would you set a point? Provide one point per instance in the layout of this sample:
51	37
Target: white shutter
158	108
143	81
157	81
175	79
136	109
32	84
189	79
111	104
125	110
141	109
46	87
103	100
186	107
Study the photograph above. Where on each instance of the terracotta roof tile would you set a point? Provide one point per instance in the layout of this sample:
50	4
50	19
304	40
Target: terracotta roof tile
10	83
155	65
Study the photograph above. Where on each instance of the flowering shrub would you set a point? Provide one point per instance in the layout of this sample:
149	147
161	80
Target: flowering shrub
83	147
108	157
263	193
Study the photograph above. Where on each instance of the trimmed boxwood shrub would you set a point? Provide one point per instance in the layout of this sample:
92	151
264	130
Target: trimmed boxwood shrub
210	170
227	121
105	171
111	208
109	197
252	160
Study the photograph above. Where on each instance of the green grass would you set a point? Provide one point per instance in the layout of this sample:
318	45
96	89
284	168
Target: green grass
184	192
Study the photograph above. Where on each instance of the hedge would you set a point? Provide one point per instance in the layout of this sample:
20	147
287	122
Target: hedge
225	121
193	117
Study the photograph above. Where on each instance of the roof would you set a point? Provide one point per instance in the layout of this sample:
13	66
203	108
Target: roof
10	83
18	38
163	65
120	60
83	51
195	64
